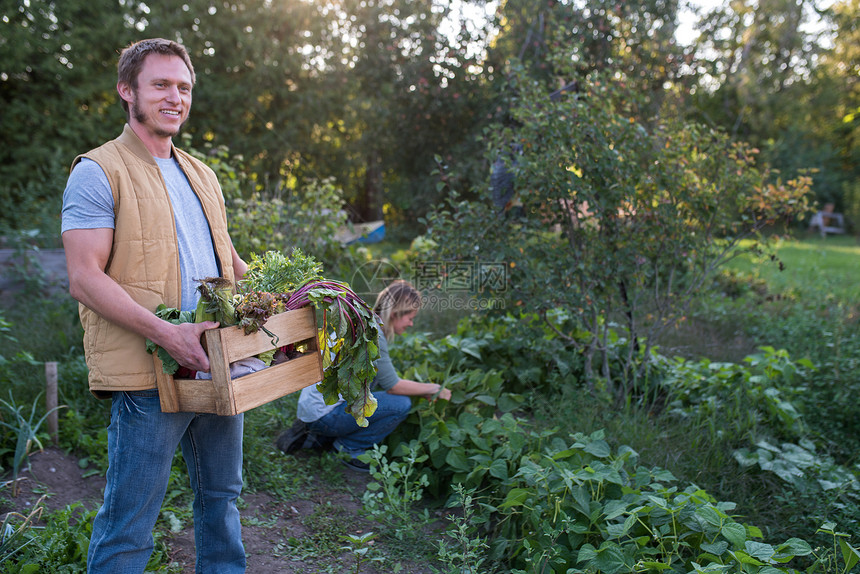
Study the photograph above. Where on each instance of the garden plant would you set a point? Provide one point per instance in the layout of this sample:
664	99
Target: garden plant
580	437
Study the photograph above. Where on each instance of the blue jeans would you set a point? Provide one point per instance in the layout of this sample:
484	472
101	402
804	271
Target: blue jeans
141	444
391	410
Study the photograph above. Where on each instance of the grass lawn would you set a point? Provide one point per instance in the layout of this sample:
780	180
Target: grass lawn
813	267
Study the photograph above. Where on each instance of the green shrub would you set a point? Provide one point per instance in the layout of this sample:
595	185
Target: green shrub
555	497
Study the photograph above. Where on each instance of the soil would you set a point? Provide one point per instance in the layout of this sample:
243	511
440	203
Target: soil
268	524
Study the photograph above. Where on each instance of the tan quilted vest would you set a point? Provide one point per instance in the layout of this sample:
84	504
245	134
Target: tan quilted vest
144	256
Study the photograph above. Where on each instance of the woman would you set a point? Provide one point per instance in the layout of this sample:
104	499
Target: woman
319	424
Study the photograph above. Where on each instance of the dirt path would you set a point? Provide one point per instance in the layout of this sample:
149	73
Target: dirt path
277	537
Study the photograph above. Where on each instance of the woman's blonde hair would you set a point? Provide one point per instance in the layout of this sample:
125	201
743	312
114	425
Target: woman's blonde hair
398	299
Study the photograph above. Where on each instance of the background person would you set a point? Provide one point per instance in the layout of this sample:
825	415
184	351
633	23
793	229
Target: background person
141	221
318	424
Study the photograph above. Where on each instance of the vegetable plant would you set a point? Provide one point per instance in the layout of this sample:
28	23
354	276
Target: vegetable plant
275	284
829	562
26	430
360	546
13	539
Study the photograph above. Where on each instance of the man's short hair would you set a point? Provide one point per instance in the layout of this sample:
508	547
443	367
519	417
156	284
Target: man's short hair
132	57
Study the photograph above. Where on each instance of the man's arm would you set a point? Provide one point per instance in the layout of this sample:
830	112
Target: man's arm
239	265
87	252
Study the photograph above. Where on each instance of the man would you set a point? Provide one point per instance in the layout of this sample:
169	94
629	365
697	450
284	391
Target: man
141	221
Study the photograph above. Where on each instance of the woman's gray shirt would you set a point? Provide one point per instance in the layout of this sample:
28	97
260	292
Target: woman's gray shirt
312	406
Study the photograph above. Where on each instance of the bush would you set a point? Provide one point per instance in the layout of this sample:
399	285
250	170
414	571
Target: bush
549	495
278	215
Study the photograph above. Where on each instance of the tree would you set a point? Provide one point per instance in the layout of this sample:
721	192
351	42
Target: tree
54	98
750	52
407	93
840	79
759	78
261	84
635	40
364	92
621	222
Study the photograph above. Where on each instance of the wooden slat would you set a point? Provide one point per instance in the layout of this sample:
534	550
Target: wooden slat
166	388
196	395
219	366
277	381
226	396
289	327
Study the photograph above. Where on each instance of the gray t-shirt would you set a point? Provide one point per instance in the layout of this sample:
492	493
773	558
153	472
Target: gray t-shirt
88	204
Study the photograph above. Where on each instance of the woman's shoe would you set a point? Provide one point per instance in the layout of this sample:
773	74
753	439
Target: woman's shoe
356	465
293	438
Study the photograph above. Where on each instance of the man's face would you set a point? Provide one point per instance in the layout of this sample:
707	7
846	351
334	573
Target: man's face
162	100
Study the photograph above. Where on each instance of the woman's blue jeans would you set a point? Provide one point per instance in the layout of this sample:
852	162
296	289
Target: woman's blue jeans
391	410
142	441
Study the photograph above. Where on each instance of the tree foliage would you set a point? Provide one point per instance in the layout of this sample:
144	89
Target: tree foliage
634	40
366	92
615	221
361	92
841	72
55	96
761	80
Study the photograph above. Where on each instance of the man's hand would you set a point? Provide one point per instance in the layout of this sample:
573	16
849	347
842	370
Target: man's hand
182	342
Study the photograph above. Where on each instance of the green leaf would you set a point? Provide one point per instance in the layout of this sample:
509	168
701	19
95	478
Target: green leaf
734	533
598	448
850	555
515	497
619	530
486	399
499	469
710	515
796	547
759	550
610	558
587	553
717	548
563	454
827	527
614	508
655	565
745	558
456	458
508	402
582	500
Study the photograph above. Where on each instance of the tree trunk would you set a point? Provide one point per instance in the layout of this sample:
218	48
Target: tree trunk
371	208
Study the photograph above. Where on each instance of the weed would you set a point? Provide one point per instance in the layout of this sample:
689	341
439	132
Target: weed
328	523
270	522
5	328
13	539
26	430
267	468
396	488
360	545
61	544
464	551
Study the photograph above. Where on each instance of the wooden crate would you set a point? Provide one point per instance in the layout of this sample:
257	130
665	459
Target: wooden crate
227	396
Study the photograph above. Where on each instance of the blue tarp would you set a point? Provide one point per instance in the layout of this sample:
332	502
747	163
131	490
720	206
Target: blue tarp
370	232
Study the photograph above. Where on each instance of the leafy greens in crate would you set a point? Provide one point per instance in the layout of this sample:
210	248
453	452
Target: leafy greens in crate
274	284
